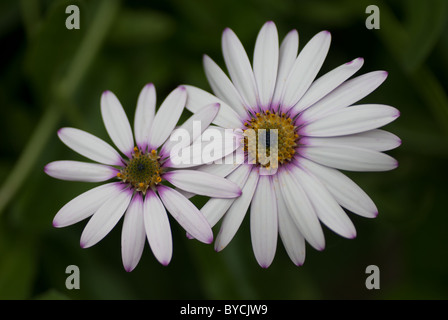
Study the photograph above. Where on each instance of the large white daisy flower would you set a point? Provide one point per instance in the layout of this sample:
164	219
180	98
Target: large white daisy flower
140	191
319	130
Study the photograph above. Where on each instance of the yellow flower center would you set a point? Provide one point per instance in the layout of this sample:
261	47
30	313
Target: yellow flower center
142	171
274	138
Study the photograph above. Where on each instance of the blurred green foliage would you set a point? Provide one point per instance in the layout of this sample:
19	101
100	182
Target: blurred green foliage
53	77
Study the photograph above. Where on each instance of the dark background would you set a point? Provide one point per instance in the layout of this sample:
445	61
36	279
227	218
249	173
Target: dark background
52	77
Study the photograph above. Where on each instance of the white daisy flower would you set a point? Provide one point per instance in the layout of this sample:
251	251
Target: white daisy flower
319	131
140	192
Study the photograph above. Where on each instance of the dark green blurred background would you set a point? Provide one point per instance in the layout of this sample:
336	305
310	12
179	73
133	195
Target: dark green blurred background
53	77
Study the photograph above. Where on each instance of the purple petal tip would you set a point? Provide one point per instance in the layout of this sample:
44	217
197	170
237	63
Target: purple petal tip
264	266
128	269
165	263
209	240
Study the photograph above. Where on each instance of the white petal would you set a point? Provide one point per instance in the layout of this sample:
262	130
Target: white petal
220	170
223	87
144	115
235	215
345	95
305	68
186	214
327	209
90	146
327	83
264	222
349	158
287	57
167	117
116	123
80	171
203	183
351	120
347	193
266	54
191	129
158	229
107	216
84	205
292	239
133	234
239	67
198	98
376	139
300	208
215	208
214	144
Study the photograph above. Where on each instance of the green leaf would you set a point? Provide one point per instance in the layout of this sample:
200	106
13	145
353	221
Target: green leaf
52	48
52	294
139	27
17	265
426	22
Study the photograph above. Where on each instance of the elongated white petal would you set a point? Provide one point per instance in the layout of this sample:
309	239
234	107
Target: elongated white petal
186	214
223	87
191	129
198	98
79	171
89	146
167	117
305	68
346	192
220	169
264	222
350	158
327	83
376	139
215	208
144	115
292	239
203	183
158	230
351	120
266	55
236	213
239	67
214	144
301	209
116	123
327	209
133	234
287	57
107	216
345	95
84	205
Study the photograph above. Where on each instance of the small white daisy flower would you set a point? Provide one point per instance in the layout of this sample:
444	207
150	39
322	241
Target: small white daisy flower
140	192
319	130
